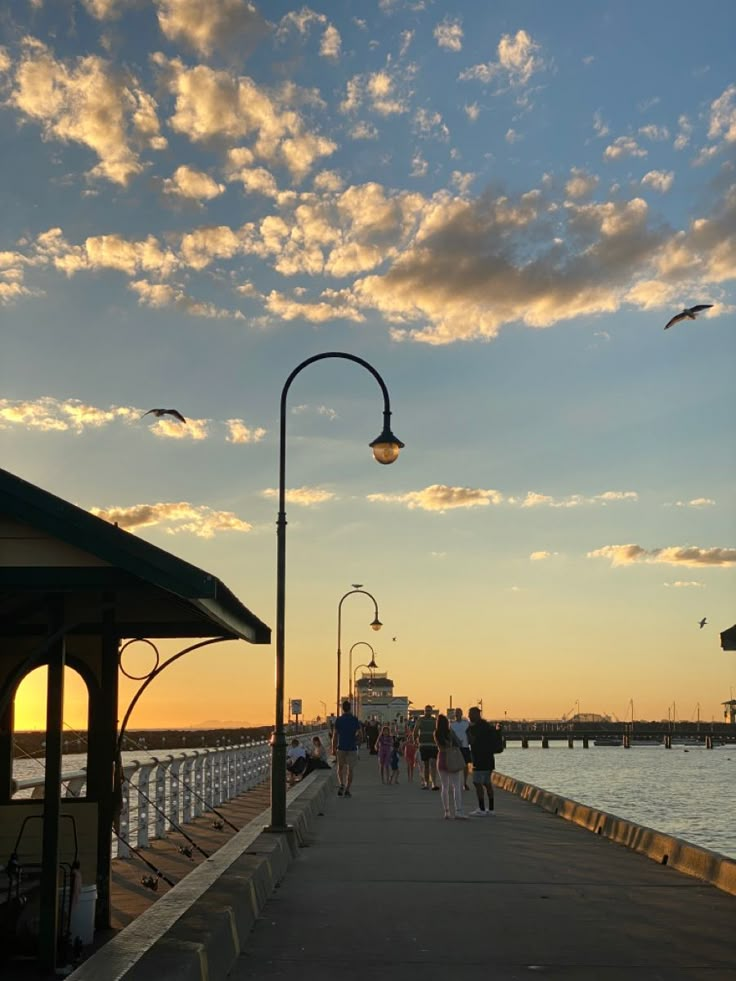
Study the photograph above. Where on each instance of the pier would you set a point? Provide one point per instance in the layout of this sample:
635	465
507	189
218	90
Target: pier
381	885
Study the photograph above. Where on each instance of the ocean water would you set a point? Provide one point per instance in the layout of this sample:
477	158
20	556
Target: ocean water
685	791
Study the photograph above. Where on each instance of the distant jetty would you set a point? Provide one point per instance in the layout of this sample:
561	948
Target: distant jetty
161	740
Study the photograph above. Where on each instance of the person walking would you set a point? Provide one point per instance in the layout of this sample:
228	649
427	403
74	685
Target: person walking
460	727
451	780
345	748
424	737
395	757
384	746
410	755
484	740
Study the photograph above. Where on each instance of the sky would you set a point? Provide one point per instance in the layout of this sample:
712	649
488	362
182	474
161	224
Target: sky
499	207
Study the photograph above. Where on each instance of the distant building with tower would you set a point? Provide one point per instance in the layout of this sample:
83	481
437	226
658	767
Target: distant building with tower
375	699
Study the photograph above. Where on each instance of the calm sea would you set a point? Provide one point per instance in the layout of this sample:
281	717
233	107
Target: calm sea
685	791
689	792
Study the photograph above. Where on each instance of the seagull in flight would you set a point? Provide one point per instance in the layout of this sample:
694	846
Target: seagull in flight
165	412
689	313
702	622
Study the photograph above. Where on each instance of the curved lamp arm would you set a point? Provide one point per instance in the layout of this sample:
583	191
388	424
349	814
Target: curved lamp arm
375	625
350	663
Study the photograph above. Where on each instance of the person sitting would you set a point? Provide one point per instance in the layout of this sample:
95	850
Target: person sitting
296	761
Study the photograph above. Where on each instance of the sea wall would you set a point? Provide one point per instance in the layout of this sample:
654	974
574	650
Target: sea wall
710	866
198	929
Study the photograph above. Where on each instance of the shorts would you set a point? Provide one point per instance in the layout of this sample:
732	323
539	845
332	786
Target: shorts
428	753
346	757
482	776
466	754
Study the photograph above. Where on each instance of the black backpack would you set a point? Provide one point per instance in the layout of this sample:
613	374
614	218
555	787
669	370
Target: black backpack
500	742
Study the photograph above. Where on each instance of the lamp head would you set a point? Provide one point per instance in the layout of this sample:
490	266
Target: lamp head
372	664
376	624
386	447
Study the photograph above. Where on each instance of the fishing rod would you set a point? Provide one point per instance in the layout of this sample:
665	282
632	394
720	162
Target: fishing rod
147	881
187	787
159	810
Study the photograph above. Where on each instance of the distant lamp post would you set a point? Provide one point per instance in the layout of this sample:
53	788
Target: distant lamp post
350	663
375	624
386	449
372	667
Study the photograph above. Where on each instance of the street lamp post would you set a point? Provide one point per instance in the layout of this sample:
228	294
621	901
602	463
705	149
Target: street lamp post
350	663
386	449
375	624
372	667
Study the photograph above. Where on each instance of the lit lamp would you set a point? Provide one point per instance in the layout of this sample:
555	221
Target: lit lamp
385	450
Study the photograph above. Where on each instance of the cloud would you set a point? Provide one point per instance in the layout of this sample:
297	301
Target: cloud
176	517
449	34
419	166
653	132
623	146
194	429
429	125
320	410
85	102
302	21
723	116
685	131
534	499
696	502
686	555
541	556
600	127
214	105
187	182
659	180
685	584
212	26
440	497
160	295
335	306
49	414
240	433
518	60
331	43
580	184
304	496
512	136
472	111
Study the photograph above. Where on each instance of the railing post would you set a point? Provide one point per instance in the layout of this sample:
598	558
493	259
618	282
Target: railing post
174	795
124	821
186	777
160	820
144	775
200	763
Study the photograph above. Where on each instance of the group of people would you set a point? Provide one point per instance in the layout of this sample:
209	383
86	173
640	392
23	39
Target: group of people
447	750
300	761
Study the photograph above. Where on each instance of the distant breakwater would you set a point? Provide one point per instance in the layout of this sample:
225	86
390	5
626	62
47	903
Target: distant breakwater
162	740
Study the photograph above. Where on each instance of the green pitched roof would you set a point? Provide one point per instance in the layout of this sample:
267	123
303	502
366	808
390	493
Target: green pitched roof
132	564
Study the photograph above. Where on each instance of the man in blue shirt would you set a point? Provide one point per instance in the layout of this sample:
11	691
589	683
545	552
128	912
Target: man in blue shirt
345	748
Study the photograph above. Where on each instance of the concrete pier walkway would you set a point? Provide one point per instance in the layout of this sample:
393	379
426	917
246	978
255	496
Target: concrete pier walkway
388	890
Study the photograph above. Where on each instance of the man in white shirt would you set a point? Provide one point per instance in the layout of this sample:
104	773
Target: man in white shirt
296	760
460	728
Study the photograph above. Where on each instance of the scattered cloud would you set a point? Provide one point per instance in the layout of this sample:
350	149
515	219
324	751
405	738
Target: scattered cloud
686	555
623	146
601	128
213	26
440	497
239	432
654	132
304	496
581	184
534	500
684	133
449	34
320	410
176	518
518	59
84	101
541	556
472	111
54	415
685	584
697	502
512	136
187	182
659	180
723	116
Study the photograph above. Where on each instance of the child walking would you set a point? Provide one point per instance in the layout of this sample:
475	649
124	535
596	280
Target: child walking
410	755
384	745
394	761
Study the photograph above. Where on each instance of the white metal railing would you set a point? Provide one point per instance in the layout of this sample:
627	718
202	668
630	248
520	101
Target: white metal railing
161	792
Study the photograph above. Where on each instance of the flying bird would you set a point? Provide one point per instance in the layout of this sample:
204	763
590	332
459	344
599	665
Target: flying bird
689	313
702	622
165	412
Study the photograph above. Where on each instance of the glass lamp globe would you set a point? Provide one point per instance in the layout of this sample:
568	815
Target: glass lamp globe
376	624
386	447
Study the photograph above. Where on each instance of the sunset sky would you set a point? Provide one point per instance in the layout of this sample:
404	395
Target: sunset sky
499	206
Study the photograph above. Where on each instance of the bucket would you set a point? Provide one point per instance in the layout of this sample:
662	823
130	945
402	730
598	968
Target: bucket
83	913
